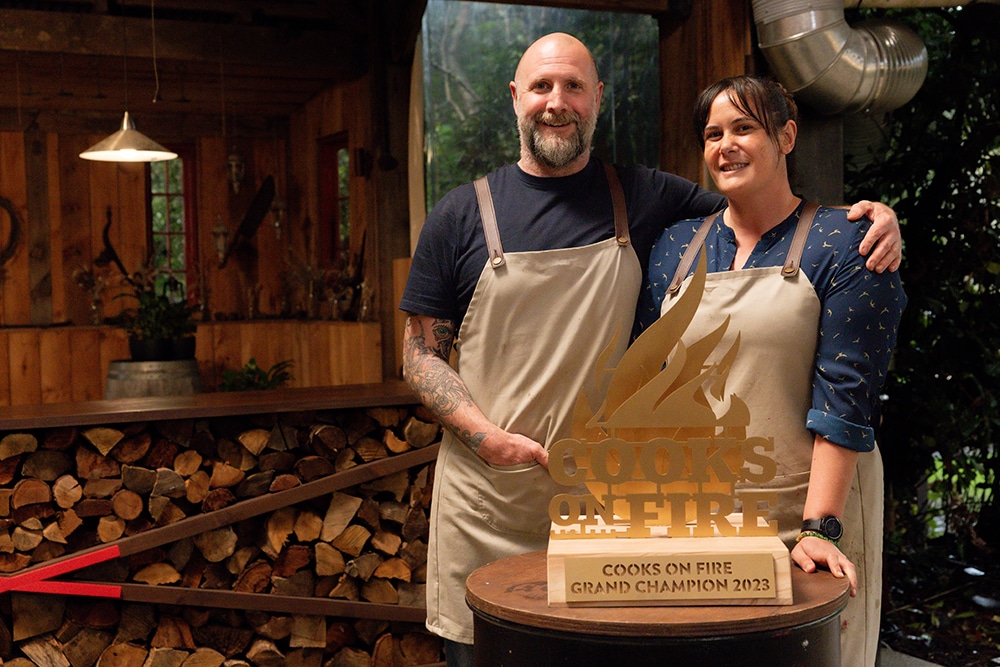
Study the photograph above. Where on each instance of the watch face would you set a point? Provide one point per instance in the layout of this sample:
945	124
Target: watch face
832	527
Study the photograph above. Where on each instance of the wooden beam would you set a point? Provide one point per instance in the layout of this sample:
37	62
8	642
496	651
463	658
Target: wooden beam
304	50
653	7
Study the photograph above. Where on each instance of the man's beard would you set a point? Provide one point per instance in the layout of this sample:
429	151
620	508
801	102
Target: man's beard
553	151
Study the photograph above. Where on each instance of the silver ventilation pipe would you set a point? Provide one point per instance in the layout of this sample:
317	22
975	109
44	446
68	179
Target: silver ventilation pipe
873	67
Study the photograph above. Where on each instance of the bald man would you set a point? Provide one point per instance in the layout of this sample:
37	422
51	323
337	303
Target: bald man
530	274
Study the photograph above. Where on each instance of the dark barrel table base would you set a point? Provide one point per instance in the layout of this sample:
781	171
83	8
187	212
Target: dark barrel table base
515	627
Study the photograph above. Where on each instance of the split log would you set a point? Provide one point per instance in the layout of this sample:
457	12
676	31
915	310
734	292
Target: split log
158	574
329	561
11	562
234	454
217	499
395	444
132	449
8	469
14	444
282	482
339	514
103	438
225	476
110	528
300	584
309	468
138	479
91	465
254	485
168	483
419	433
277	530
101	488
59	439
30	492
187	462
26	540
255	440
264	653
47	465
91	613
386	542
308	632
283	437
53	533
304	657
137	623
327	439
347	588
122	654
370	449
420	648
216	545
172	632
204	657
255	578
393	568
67	491
86	647
363	566
45	652
161	454
126	504
351	657
345	460
165	657
276	461
412	595
292	558
308	526
352	540
35	614
196	487
68	522
241	558
386	652
379	591
386	417
397	484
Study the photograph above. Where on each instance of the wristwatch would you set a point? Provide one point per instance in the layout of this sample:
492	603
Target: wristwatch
829	527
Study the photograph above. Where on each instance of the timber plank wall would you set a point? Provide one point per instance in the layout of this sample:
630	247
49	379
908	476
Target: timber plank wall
282	527
69	364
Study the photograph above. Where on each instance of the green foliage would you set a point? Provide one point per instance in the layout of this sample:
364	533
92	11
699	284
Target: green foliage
470	53
253	377
942	176
162	310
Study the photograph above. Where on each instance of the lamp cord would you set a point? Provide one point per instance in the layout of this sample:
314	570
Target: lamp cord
156	73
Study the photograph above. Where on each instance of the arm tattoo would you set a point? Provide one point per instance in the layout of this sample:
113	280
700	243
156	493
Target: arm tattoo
426	370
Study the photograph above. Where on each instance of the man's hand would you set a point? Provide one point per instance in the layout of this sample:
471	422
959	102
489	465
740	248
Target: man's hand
883	239
501	448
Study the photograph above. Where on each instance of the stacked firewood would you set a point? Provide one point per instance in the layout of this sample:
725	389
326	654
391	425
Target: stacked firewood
69	490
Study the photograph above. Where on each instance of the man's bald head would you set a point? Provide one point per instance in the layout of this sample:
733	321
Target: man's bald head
558	46
557	96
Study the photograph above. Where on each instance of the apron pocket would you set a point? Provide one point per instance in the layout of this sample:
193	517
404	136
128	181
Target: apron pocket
515	499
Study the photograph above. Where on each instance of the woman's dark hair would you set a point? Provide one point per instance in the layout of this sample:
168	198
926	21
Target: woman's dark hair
761	98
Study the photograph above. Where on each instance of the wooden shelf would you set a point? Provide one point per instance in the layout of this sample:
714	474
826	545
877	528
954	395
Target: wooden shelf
217	404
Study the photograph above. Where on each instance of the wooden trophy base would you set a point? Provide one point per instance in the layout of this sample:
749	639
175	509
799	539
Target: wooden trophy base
669	571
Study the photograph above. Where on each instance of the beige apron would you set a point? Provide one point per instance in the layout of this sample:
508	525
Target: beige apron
776	312
530	341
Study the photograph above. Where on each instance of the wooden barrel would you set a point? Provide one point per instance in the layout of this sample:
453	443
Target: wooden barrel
130	379
516	627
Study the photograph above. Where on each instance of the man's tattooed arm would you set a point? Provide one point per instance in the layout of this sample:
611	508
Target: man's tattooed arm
427	344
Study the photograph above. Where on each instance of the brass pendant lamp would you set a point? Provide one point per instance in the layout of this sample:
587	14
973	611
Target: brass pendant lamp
128	144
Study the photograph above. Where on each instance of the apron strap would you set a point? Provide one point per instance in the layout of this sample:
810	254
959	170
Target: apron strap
618	201
792	261
687	261
799	240
489	217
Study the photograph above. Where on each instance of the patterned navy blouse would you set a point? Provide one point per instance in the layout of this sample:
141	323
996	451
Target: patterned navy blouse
858	322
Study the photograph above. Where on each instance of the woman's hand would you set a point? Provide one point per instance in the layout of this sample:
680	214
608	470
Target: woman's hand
811	552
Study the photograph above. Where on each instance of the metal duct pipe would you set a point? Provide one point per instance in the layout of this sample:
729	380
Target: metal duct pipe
874	67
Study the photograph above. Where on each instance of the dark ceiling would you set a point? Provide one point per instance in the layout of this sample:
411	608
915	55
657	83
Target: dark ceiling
64	64
251	57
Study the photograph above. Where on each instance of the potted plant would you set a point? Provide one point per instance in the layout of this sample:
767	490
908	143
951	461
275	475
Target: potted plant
161	327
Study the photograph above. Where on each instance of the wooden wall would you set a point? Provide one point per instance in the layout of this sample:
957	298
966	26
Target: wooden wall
49	349
68	364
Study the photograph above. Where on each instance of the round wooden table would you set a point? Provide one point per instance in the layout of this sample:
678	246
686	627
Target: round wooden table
516	627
